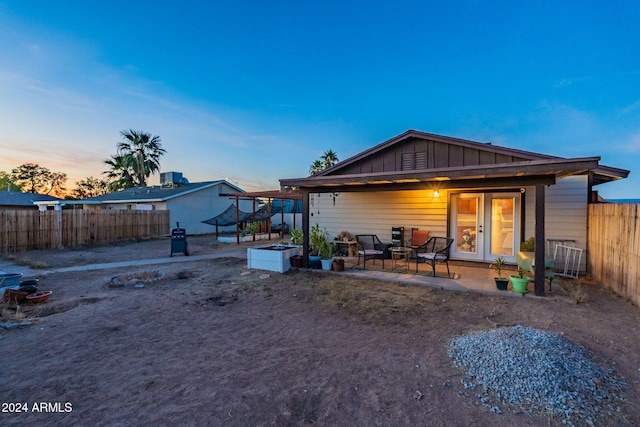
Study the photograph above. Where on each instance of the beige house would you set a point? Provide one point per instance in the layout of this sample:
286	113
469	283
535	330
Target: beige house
487	198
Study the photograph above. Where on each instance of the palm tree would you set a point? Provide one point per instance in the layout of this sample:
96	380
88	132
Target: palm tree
316	167
329	159
121	173
143	152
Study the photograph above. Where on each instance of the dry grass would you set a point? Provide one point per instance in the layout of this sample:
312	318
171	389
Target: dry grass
37	265
371	299
578	293
18	315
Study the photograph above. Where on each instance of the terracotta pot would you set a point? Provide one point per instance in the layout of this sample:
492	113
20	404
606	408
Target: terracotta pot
338	265
296	261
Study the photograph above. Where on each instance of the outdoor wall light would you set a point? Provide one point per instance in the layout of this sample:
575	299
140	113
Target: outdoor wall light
436	193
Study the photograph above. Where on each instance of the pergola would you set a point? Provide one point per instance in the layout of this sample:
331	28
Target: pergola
270	196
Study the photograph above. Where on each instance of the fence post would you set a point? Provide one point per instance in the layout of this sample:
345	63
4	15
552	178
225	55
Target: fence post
58	228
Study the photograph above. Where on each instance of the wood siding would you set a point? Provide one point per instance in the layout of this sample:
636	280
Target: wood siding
565	212
378	212
439	155
614	248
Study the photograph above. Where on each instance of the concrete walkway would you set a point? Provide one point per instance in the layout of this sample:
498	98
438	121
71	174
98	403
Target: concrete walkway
470	278
10	267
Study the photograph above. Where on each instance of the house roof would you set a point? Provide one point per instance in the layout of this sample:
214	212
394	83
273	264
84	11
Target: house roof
156	193
418	157
13	198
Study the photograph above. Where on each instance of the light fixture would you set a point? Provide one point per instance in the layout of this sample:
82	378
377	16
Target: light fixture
436	193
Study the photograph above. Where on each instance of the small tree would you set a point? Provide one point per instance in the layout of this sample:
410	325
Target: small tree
34	178
7	183
90	187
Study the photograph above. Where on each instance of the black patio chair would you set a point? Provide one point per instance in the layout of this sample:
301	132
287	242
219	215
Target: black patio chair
370	247
435	250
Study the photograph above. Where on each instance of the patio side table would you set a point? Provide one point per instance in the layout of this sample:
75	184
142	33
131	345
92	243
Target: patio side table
399	253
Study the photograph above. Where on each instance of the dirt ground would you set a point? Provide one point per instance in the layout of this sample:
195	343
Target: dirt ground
209	344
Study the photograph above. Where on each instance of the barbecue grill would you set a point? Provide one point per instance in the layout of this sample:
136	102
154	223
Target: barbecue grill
179	240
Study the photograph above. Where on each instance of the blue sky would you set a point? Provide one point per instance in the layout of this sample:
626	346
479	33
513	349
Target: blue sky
255	91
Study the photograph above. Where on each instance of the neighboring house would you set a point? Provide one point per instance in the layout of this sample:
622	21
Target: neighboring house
14	200
488	198
189	203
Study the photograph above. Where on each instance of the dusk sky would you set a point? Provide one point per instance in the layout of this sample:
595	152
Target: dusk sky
254	91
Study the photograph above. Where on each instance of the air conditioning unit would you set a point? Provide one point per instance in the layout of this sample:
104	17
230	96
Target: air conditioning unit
171	179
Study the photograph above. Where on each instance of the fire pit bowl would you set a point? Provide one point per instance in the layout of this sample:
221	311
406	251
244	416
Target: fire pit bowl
39	297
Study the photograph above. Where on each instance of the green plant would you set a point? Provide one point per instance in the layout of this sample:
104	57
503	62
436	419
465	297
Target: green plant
497	265
250	229
297	236
317	237
325	250
528	245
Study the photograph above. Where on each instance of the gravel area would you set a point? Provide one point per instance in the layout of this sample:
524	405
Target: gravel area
537	372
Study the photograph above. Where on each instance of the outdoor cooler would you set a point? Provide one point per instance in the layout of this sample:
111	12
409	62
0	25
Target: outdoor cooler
179	240
397	236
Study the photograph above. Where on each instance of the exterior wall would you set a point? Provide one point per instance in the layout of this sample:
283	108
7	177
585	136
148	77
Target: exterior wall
378	212
565	212
189	210
18	208
288	219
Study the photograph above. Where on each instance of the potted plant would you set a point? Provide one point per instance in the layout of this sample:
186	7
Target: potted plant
326	254
528	245
519	283
297	238
317	237
497	265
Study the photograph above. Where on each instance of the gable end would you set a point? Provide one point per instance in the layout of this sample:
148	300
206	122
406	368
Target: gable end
421	154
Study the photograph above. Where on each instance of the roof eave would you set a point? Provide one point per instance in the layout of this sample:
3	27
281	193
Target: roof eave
555	166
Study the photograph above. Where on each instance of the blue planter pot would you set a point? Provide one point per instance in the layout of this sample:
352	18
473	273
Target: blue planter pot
315	261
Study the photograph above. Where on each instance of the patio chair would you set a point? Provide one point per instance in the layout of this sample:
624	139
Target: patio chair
418	238
370	247
435	250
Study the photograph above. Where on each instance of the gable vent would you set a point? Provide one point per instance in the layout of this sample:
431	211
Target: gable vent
414	161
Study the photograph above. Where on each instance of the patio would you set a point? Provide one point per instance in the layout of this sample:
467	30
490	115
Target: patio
468	276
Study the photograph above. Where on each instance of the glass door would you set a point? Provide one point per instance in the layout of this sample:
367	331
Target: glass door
485	226
467	224
502	232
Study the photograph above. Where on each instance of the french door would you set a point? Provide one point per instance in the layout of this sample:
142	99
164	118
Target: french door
485	225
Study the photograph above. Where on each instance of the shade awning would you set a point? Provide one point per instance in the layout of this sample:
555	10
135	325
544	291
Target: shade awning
228	217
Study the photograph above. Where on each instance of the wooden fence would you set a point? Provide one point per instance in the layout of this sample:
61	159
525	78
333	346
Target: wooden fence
28	230
614	247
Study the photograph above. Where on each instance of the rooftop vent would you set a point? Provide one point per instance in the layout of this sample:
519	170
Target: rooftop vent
172	179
